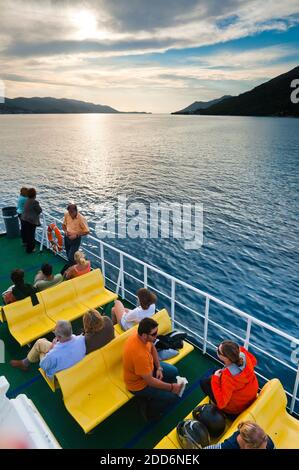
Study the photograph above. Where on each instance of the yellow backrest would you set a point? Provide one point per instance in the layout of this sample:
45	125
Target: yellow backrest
89	282
113	357
86	374
270	402
21	311
59	295
164	321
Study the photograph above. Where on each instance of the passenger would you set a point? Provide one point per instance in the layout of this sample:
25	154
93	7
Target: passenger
30	218
45	278
20	209
98	330
128	318
144	375
249	436
82	266
20	290
75	227
234	387
65	351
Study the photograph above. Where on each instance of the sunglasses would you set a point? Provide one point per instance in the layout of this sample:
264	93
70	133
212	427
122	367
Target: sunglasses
155	333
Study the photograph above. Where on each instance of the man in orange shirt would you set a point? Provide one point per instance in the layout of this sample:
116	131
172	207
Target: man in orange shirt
144	375
74	226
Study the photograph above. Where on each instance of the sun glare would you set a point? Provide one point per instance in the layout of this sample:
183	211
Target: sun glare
85	23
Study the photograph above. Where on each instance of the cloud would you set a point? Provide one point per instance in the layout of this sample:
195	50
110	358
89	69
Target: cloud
126	49
35	28
41	49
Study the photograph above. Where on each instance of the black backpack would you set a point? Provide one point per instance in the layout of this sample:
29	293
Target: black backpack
173	340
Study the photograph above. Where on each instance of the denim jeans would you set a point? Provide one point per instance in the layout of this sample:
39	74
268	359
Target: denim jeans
71	246
159	400
205	383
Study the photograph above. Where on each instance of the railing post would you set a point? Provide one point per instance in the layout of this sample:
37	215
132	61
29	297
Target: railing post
118	282
206	325
295	391
248	331
122	279
102	261
172	301
43	233
145	276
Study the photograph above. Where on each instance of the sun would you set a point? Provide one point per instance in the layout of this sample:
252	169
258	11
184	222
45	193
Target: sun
86	24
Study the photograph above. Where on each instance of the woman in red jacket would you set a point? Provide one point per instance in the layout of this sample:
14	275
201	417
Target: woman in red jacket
234	387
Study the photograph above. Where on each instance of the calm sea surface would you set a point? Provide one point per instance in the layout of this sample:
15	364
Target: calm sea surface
243	170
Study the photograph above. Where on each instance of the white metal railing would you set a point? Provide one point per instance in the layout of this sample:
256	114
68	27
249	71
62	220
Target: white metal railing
249	320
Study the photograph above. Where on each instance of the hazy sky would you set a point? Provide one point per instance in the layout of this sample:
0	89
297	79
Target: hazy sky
144	55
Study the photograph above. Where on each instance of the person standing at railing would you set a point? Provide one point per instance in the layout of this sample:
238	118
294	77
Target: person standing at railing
23	197
30	219
234	387
75	227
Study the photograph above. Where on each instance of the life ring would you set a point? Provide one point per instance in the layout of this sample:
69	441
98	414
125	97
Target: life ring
58	244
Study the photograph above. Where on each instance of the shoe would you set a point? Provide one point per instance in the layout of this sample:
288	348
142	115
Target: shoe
19	365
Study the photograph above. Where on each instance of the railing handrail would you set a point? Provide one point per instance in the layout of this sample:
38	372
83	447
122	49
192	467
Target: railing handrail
236	310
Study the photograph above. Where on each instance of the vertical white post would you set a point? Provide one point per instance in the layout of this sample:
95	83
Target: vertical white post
206	325
43	234
145	276
249	323
295	391
122	282
172	301
102	261
118	282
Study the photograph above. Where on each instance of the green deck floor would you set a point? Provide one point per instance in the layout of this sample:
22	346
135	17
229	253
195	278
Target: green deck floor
124	429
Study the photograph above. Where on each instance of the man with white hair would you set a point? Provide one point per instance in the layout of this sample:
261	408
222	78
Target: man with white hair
65	350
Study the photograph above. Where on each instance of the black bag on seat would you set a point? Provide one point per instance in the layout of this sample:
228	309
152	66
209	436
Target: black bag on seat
173	340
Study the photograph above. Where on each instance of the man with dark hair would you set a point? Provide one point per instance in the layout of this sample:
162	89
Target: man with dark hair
21	290
74	227
144	375
45	278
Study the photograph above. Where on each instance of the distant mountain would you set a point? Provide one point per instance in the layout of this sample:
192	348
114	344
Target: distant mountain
51	106
200	105
272	98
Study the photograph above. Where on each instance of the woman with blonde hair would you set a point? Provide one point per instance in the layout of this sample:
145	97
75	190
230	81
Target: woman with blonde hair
128	318
98	330
81	266
249	436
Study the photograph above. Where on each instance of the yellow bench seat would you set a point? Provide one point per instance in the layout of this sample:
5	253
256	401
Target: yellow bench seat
88	394
268	411
91	290
27	322
61	302
94	388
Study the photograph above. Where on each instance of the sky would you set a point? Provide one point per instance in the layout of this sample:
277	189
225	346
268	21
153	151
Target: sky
144	55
